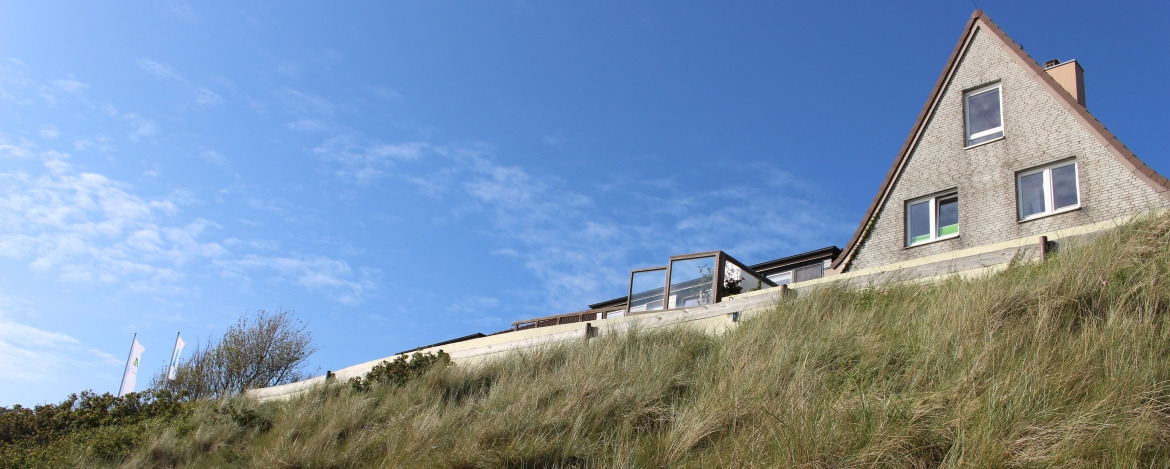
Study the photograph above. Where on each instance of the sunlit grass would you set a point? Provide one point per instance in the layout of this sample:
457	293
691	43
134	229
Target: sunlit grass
1065	363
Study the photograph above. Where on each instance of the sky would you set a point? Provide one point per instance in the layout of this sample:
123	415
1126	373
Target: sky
403	173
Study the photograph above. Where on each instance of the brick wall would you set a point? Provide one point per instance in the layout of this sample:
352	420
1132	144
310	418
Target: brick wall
1037	130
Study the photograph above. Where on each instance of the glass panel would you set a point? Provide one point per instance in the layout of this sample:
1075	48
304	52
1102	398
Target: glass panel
983	116
1031	194
948	215
917	222
1064	186
647	290
782	278
692	282
737	280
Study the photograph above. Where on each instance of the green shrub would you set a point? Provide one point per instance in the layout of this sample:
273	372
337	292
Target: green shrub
401	370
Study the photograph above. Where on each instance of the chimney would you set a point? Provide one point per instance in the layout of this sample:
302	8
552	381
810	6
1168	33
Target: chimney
1070	75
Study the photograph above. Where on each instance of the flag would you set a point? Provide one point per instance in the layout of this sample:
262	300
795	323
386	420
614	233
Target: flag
131	375
175	357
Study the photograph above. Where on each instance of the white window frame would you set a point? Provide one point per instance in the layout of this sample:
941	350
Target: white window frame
1049	194
780	277
968	137
934	228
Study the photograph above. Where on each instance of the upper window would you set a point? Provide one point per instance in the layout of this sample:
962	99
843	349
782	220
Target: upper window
782	278
983	110
932	218
1048	190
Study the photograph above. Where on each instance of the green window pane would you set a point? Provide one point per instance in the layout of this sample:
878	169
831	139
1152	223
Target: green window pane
948	230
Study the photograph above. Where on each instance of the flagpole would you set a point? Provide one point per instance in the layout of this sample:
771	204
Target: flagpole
127	368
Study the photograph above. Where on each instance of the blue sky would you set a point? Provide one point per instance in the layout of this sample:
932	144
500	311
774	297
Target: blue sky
401	173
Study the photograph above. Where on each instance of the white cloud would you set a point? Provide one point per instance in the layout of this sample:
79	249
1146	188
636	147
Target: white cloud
205	97
142	127
305	103
362	161
14	151
306	125
71	85
49	131
29	355
336	278
387	93
213	157
159	70
83	227
182	10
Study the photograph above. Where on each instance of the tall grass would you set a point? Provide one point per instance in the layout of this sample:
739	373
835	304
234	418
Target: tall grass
1065	363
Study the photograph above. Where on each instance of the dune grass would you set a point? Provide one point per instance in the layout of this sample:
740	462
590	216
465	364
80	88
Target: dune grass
1065	363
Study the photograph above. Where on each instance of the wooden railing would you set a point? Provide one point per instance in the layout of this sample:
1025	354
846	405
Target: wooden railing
580	316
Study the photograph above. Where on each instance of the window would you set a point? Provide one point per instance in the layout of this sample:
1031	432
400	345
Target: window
983	109
1048	190
782	278
932	218
809	272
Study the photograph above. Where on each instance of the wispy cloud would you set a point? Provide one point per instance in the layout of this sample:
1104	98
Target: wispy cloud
581	246
335	278
363	161
83	227
29	355
305	103
387	93
50	131
200	96
141	127
160	70
205	97
306	125
70	85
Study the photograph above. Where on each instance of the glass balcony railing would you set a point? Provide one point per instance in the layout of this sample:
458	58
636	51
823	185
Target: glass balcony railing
689	280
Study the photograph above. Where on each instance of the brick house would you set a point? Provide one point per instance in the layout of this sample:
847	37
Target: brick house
1004	149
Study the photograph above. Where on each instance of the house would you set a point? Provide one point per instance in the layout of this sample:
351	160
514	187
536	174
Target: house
1004	149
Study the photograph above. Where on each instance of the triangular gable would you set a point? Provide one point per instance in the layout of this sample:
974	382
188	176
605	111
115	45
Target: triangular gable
980	22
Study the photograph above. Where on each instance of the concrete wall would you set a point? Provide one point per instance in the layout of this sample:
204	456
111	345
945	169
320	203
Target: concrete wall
1038	130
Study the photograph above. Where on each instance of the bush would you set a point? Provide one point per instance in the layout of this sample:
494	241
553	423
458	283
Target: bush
266	350
401	370
105	425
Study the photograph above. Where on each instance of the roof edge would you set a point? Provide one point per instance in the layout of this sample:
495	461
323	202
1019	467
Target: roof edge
846	255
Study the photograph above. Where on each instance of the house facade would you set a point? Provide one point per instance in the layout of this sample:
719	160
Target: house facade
1003	149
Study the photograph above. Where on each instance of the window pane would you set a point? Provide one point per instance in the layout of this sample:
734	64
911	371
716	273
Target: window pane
692	282
1031	194
783	278
948	216
918	222
1064	186
809	273
737	280
983	111
647	290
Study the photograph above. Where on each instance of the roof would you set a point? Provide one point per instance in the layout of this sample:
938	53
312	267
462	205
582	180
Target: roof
979	21
829	251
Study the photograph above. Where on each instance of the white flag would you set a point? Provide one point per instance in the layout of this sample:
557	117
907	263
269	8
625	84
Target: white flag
175	358
131	375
